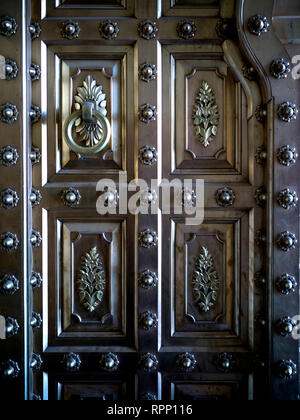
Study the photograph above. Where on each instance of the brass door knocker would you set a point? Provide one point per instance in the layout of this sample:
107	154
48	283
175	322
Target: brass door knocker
89	120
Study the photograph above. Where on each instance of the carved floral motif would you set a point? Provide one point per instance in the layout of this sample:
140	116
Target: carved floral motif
91	281
206	115
205	281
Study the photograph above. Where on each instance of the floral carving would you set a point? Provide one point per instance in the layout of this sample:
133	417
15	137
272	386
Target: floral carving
91	281
205	281
206	115
90	133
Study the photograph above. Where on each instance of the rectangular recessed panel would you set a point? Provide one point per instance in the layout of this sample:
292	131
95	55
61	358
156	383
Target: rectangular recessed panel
91	388
195	8
205	391
89	8
69	69
89	295
211	268
208	113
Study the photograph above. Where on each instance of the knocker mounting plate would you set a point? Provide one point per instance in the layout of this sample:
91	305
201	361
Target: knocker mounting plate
87	130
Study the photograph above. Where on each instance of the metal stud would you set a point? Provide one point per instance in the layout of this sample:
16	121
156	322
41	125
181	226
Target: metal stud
280	68
286	284
186	29
260	238
249	72
35	72
287	112
147	72
261	155
36	397
224	362
35	197
109	30
9	113
258	25
285	326
286	369
148	362
8	156
35	155
109	362
148	155
35	114
287	198
11	69
35	280
148	320
12	327
8	26
71	197
36	320
148	396
261	113
148	279
225	197
9	242
147	113
9	199
287	155
110	197
148	238
148	29
260	197
71	362
9	369
148	196
70	30
287	241
186	362
226	28
9	285
260	280
35	30
35	239
188	197
36	362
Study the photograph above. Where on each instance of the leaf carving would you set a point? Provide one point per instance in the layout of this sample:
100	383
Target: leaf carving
90	133
206	115
91	282
205	281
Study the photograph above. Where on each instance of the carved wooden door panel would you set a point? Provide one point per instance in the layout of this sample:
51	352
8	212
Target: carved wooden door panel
161	306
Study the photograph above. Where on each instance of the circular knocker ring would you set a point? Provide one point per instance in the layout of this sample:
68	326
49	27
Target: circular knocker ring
101	143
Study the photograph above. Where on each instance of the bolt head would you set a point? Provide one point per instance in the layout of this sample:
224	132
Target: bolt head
32	29
148	154
8	286
187	28
70	29
71	197
8	242
109	29
225	197
148	71
8	68
7	25
8	156
148	363
187	363
8	112
148	29
8	199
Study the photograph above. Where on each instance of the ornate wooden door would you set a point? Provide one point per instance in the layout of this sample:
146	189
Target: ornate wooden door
148	306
